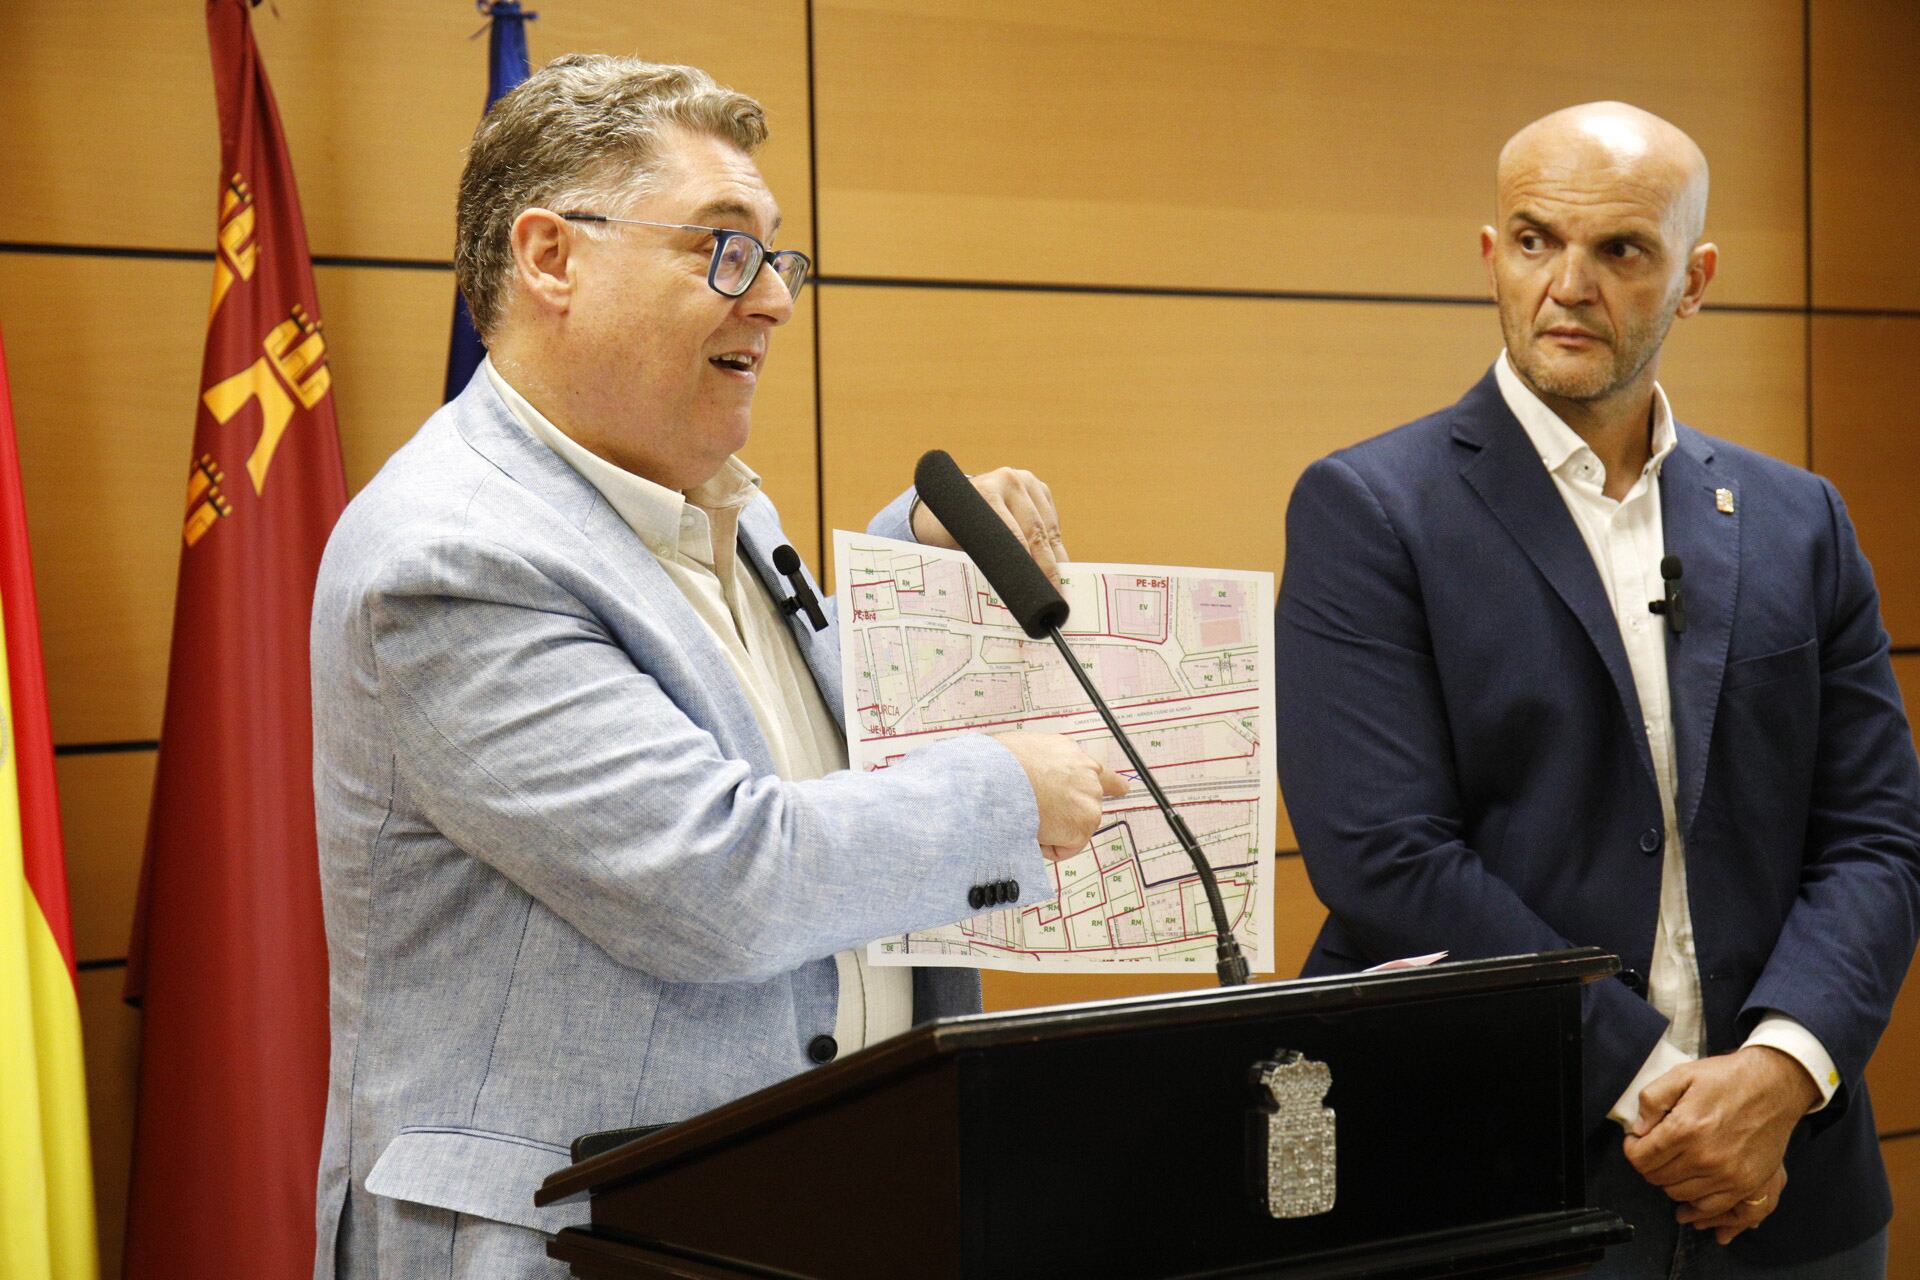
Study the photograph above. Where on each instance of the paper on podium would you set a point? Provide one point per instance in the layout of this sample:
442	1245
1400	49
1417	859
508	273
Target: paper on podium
1408	962
1184	657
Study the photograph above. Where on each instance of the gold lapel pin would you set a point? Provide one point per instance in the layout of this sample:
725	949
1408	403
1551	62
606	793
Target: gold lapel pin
1723	501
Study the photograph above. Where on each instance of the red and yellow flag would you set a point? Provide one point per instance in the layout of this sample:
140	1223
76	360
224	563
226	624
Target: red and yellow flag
228	959
46	1174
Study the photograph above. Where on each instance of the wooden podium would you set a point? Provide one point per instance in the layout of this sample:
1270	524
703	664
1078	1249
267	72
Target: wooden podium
1128	1138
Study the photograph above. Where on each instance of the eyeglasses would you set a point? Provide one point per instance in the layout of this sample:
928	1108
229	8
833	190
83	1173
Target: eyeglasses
736	256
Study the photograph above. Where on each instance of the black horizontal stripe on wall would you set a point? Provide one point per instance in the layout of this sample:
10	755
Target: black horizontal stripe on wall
1904	650
1897	1134
105	251
1146	290
1261	295
105	748
206	255
383	264
94	966
1867	313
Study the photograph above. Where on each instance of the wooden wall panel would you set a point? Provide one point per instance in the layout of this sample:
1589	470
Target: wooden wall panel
1327	146
785	446
110	1034
1906	669
104	359
1865	177
387	344
378	100
109	117
103	812
1298	916
1894	1072
1741	377
1211	406
1866	439
1170	429
1903	1236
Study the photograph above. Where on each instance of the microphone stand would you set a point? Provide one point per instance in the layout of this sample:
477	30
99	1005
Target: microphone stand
1038	607
1229	963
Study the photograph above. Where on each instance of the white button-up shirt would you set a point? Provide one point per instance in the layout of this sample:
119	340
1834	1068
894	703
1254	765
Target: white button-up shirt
694	536
1627	542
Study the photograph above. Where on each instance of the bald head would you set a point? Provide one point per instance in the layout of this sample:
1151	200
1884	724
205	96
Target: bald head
1610	148
1597	250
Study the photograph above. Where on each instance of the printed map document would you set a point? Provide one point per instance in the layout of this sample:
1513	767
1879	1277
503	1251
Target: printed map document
1185	659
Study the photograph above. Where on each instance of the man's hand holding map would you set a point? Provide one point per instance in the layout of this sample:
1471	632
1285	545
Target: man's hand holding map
1182	655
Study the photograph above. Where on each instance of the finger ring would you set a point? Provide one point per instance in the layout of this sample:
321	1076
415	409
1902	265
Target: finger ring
1757	1200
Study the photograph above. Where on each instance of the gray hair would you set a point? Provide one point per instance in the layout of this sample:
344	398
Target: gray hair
585	126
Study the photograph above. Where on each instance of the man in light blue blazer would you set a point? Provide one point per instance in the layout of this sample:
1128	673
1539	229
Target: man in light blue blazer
590	854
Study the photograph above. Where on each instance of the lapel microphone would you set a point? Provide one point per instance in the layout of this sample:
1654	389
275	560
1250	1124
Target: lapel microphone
1673	606
787	562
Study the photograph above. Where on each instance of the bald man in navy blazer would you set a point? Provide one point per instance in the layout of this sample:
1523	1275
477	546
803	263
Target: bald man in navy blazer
1492	742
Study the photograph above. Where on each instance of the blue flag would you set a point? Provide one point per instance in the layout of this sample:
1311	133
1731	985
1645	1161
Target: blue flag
506	67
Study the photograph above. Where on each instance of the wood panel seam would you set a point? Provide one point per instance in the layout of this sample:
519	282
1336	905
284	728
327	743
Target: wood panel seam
63	749
1277	295
206	255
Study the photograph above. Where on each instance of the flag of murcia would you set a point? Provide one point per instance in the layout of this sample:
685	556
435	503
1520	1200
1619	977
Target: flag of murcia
228	959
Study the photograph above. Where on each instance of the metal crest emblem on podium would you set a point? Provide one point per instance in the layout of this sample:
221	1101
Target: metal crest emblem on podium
1290	1136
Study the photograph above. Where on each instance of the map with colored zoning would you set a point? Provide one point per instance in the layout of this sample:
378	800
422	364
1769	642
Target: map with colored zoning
1183	656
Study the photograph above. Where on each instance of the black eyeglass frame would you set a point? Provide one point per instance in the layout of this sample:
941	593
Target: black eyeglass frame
775	257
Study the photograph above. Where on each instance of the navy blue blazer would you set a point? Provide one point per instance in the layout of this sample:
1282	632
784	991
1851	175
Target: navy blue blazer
1463	757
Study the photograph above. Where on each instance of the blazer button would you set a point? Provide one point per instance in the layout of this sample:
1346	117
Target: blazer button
822	1048
977	897
1650	841
1635	983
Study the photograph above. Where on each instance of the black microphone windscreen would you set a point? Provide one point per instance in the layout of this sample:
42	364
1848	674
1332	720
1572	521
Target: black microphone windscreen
786	561
983	535
1670	568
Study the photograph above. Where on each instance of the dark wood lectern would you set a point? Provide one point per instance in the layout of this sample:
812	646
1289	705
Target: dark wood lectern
1126	1139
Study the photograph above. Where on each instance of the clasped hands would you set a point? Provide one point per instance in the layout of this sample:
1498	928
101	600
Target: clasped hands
1712	1135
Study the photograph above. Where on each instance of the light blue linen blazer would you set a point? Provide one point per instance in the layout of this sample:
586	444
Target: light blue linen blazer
564	889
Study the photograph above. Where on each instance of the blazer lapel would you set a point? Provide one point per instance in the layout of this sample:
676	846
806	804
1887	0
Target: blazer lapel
488	426
1703	529
1507	474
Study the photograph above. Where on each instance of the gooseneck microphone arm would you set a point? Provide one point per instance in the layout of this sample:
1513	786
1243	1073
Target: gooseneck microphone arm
1039	609
1231	964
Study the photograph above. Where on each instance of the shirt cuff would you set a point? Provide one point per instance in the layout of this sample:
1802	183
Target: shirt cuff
1665	1057
913	509
1789	1036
